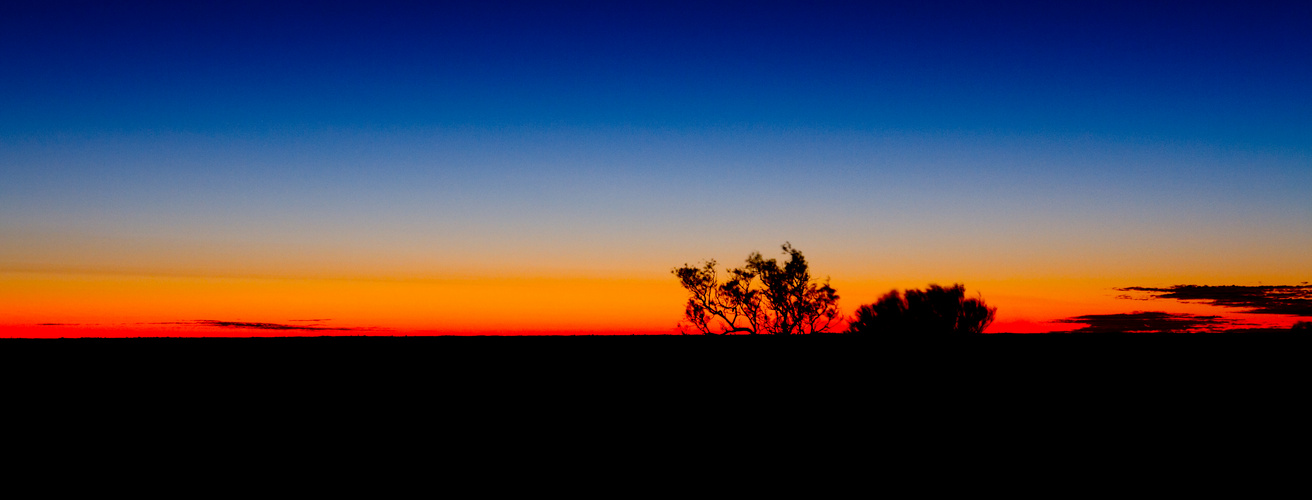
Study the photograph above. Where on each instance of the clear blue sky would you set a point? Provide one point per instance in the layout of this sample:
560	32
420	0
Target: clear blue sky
1188	71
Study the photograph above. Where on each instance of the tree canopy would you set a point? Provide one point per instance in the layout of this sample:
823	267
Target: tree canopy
762	297
934	311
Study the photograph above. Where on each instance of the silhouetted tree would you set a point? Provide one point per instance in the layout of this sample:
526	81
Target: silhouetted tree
935	311
760	297
1302	326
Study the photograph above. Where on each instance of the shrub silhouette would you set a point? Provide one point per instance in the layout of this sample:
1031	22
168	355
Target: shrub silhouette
760	297
936	311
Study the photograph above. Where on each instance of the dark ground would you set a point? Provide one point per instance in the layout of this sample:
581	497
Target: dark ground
1016	408
751	360
989	381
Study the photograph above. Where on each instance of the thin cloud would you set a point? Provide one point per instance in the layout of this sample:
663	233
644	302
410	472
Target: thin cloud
1149	322
1294	300
265	326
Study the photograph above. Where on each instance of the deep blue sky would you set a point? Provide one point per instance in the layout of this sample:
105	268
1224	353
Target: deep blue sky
1173	70
923	140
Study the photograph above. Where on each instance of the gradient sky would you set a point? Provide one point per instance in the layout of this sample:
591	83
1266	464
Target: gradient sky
523	167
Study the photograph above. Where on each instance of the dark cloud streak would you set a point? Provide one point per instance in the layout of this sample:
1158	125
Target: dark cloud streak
1294	300
1148	322
265	326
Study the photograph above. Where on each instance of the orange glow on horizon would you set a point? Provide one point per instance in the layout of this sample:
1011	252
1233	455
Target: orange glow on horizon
470	306
84	305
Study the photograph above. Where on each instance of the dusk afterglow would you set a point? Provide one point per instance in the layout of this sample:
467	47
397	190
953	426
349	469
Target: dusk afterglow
324	168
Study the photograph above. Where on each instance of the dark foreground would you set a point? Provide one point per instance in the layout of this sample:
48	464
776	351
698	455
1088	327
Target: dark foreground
840	378
1043	405
751	360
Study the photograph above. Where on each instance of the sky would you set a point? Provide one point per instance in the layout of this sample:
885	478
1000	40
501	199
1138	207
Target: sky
279	168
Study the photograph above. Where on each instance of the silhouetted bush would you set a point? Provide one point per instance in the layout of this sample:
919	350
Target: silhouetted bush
1302	326
936	311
